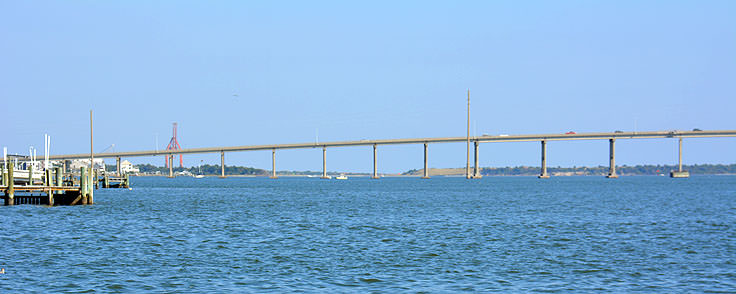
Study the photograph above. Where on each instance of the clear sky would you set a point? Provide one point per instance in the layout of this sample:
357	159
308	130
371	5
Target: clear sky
263	72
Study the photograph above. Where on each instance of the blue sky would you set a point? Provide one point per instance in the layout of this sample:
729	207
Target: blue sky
242	73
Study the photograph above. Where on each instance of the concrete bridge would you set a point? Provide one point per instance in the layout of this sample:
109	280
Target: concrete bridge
543	138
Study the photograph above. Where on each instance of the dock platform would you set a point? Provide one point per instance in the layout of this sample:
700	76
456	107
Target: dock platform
57	188
44	195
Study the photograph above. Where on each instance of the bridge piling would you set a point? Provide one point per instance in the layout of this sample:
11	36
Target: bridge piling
222	164
543	174
273	163
426	171
375	167
170	159
476	171
679	173
324	163
612	159
679	156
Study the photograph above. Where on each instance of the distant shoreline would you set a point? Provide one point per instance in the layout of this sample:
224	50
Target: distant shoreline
414	176
622	170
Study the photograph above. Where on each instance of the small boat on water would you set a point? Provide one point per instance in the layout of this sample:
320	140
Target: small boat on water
341	177
199	175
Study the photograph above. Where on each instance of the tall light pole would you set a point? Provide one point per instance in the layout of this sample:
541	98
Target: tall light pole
467	148
91	161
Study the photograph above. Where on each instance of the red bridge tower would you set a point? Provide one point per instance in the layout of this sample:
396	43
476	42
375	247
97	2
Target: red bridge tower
174	145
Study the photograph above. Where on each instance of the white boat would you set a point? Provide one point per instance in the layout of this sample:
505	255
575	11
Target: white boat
341	177
21	175
199	174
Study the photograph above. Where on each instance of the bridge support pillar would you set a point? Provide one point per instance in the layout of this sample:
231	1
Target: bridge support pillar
476	170
543	174
222	164
273	163
612	159
375	164
324	163
171	165
426	170
679	173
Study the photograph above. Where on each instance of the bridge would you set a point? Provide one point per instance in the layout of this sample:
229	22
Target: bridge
543	138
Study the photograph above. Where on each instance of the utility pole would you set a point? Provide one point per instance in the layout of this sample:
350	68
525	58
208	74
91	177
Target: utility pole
91	161
467	148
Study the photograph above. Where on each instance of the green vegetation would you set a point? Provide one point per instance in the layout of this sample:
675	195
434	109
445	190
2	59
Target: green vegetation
207	169
229	170
624	170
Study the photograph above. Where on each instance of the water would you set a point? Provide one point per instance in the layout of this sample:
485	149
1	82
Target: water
510	234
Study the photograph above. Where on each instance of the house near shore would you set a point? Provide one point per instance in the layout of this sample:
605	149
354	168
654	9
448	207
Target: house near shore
127	168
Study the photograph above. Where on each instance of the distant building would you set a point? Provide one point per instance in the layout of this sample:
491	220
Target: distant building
78	163
127	168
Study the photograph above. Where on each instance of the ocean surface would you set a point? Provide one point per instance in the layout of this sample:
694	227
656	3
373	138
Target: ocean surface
442	235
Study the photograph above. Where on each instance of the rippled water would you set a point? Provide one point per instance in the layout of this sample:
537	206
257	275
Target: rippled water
581	234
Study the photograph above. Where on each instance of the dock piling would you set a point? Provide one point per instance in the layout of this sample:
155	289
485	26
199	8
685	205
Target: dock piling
117	166
59	178
92	182
49	178
83	178
10	193
30	174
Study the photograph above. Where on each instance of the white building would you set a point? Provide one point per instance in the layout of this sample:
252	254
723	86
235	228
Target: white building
127	168
78	163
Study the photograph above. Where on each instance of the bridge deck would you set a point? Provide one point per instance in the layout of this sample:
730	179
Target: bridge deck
481	139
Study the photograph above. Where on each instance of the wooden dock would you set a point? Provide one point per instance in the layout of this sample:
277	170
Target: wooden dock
109	180
57	189
44	195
